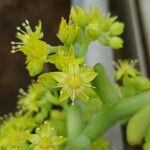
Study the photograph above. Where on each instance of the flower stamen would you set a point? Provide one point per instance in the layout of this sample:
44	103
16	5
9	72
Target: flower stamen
87	97
90	86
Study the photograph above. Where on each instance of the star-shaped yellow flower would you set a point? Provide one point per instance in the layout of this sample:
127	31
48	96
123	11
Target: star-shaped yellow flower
46	138
75	81
62	57
32	46
126	68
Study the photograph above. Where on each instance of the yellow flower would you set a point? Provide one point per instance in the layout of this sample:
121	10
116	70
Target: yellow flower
126	68
17	122
14	140
15	132
94	30
82	17
46	138
75	81
79	16
30	44
68	33
26	37
62	57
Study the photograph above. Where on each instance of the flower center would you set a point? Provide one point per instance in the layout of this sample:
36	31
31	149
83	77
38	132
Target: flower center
74	82
45	143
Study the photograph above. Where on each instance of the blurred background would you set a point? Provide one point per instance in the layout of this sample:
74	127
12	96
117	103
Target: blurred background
13	75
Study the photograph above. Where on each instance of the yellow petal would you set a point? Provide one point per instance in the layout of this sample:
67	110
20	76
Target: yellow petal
59	76
73	67
64	94
82	95
57	140
87	74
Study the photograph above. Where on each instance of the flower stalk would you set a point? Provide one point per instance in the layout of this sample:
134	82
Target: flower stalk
74	122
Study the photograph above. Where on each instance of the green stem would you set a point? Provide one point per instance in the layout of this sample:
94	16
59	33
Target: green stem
108	116
74	122
52	49
82	49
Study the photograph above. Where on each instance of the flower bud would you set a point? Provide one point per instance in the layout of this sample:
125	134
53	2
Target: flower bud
116	42
79	16
94	30
116	28
68	33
